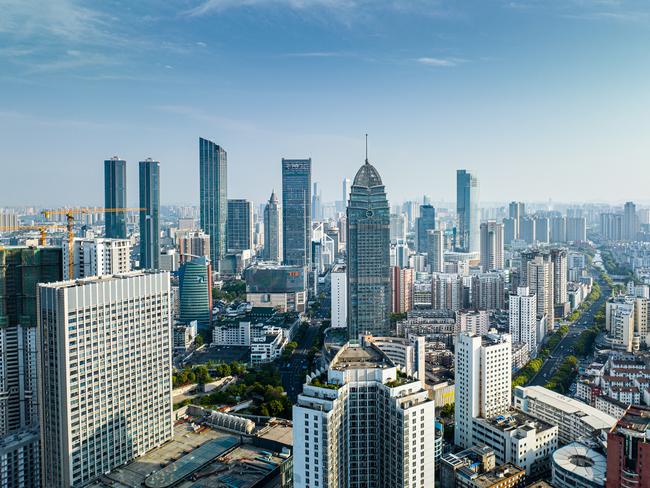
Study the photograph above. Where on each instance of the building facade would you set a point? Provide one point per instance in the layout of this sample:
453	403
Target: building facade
97	257
425	222
195	291
522	318
239	230
273	230
492	246
296	211
150	216
115	197
213	194
339	296
467	211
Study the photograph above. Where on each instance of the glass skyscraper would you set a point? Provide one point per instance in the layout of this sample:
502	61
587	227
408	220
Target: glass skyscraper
468	232
296	211
213	164
115	197
240	225
149	218
195	289
426	222
368	245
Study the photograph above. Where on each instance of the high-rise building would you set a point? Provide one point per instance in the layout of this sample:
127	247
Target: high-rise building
611	226
491	246
523	318
8	219
542	229
425	222
21	269
558	229
467	210
359	425
339	296
516	211
488	291
527	230
628	450
105	373
560	276
239	230
213	167
540	282
316	203
345	188
193	245
435	251
273	230
115	197
447	292
483	381
368	249
510	230
97	257
296	211
150	216
398	227
401	282
630	222
576	229
195	290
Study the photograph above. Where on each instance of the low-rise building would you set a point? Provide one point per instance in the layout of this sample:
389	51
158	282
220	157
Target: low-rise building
578	466
184	336
281	287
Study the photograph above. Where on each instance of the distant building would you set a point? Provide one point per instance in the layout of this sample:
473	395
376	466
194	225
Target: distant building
401	282
281	287
339	296
273	230
540	282
239	229
98	257
296	211
447	292
467	210
576	229
115	197
488	291
628	450
473	322
213	183
630	222
425	222
491	246
193	245
523	318
195	291
91	388
150	216
435	251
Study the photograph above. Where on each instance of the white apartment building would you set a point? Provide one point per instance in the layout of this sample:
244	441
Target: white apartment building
105	373
408	353
619	322
540	282
98	256
339	296
435	251
522	319
184	336
474	321
491	246
360	424
573	418
483	380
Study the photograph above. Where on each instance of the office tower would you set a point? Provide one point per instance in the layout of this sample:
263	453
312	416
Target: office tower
398	227
195	289
296	211
239	230
401	282
510	230
425	222
104	373
193	245
467	210
97	257
447	292
316	203
516	211
542	229
213	168
628	450
558	229
115	197
576	229
488	291
523	318
368	249
21	269
150	216
435	251
491	246
540	282
339	296
527	230
611	226
630	222
483	381
273	230
362	426
560	276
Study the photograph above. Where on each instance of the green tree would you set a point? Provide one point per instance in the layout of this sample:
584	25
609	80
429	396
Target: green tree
198	340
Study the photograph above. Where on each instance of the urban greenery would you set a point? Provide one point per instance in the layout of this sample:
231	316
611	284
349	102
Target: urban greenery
532	367
564	376
233	290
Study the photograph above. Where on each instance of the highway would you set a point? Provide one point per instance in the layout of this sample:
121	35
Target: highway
565	346
293	370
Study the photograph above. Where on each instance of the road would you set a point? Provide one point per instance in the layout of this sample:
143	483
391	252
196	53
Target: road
293	370
565	346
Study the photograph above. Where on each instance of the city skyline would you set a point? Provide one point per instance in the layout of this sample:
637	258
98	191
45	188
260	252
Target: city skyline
490	87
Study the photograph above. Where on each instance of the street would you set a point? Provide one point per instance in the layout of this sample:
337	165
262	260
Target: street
293	370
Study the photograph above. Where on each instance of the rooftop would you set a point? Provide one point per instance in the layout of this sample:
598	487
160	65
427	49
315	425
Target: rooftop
582	461
367	176
358	357
515	419
498	475
99	279
636	418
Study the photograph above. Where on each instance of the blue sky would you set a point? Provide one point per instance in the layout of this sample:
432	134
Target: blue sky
542	98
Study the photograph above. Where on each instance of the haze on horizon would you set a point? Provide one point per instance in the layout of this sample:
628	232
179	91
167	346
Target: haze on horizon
542	99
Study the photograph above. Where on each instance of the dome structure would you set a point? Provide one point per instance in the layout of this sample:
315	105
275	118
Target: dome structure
367	176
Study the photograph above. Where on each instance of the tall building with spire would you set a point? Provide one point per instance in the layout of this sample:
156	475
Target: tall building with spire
273	230
368	246
213	167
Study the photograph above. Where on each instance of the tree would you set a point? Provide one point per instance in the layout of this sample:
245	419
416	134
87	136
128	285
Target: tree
198	340
447	411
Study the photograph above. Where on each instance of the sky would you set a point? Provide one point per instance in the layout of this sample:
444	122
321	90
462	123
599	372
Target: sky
543	99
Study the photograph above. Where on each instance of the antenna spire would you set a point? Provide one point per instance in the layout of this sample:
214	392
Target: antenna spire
366	148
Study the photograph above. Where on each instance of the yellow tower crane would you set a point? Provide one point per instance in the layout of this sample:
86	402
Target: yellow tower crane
70	217
41	228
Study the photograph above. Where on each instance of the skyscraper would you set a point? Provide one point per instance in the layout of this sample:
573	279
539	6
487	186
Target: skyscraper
115	197
273	230
195	290
345	187
542	229
540	282
361	426
516	211
467	210
240	225
150	216
425	222
368	249
401	282
316	203
435	252
104	374
213	168
630	222
21	268
296	211
523	318
491	246
560	275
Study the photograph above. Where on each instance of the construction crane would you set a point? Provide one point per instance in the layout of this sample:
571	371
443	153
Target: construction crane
70	218
41	228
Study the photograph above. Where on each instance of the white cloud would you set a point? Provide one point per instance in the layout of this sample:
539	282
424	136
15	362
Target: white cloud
440	62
